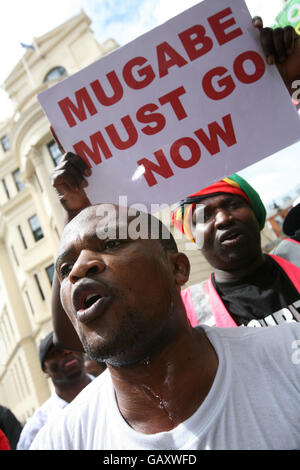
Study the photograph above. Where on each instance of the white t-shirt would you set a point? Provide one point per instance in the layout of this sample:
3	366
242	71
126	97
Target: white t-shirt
50	408
254	402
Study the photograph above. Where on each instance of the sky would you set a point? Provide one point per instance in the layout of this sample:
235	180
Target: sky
125	20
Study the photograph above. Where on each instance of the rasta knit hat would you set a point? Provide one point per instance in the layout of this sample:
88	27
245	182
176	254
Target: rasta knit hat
234	184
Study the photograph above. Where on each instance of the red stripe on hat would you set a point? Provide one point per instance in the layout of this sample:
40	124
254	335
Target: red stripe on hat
221	187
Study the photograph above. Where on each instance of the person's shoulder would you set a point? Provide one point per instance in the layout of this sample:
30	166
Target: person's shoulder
38	418
58	432
5	412
88	397
272	341
38	413
242	333
96	386
289	250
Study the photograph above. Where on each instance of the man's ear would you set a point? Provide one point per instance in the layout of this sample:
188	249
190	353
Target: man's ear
46	373
181	268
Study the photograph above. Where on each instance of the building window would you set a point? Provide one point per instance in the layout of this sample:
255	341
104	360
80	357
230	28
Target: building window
55	73
23	376
5	143
38	181
22	236
39	286
14	255
5	188
56	231
54	151
29	302
19	184
50	273
36	228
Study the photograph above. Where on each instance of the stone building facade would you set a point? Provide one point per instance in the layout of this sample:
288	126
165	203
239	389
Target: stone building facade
31	218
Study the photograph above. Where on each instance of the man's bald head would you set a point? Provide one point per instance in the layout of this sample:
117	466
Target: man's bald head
121	275
121	222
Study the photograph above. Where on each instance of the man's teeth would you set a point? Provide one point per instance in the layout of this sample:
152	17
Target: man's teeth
91	299
231	236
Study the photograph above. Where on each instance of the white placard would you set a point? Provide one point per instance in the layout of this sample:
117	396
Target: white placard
184	105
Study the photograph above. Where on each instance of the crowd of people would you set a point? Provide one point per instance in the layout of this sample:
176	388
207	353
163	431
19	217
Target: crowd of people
177	368
69	372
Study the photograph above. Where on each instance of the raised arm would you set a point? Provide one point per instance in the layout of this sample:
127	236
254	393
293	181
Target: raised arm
68	180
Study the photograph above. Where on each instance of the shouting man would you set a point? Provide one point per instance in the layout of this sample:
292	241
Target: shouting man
167	385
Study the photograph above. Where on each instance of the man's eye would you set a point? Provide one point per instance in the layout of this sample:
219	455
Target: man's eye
65	270
207	216
204	216
234	205
112	244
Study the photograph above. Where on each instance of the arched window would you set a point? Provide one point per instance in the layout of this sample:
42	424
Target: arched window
55	73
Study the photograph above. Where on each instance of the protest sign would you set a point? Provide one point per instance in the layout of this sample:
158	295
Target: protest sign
184	105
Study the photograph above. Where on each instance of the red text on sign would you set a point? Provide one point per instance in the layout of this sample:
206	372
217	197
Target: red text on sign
138	73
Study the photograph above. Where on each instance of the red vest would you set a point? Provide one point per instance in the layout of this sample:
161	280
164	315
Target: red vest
221	315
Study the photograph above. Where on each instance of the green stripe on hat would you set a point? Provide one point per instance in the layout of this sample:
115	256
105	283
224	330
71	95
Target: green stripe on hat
254	198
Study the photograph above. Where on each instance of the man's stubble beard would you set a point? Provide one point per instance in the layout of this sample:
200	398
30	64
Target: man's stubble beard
132	344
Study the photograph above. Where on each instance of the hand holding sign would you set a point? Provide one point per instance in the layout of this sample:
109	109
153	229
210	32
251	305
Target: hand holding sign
281	46
68	180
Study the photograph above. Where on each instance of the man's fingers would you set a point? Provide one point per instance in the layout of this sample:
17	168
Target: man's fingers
266	39
257	22
67	171
78	163
68	180
72	164
65	181
70	168
279	44
289	39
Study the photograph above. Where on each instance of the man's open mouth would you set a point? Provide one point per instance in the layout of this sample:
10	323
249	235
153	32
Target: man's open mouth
230	236
90	298
71	363
86	293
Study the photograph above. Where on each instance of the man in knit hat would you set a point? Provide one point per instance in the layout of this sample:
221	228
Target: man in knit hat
247	287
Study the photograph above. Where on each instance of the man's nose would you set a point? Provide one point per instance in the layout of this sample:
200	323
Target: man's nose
88	264
223	218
